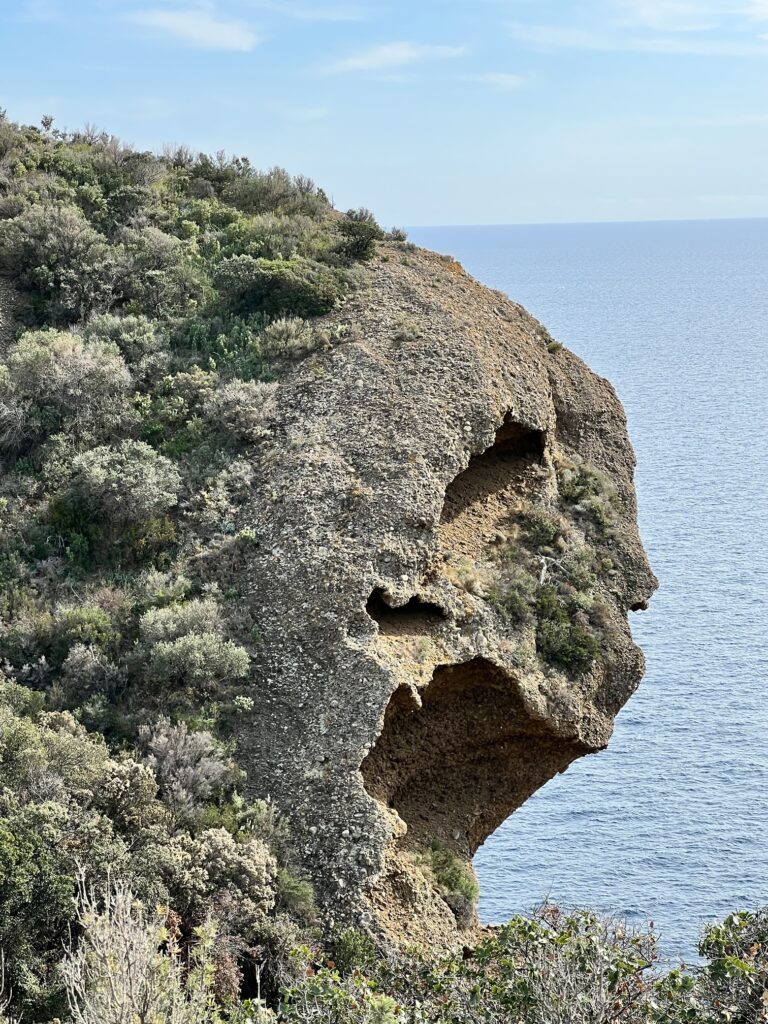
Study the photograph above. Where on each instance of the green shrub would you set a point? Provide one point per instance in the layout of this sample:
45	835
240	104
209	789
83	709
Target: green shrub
452	873
323	996
578	569
353	950
359	232
734	982
273	191
198	660
296	286
85	625
66	268
176	620
156	275
228	342
590	492
580	481
125	484
55	381
274	236
560	640
153	587
295	896
514	594
288	336
50	634
454	878
141	341
541	529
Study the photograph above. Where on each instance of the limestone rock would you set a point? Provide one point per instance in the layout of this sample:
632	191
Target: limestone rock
395	702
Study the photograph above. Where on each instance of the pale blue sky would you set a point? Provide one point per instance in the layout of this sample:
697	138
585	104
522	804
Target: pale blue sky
427	111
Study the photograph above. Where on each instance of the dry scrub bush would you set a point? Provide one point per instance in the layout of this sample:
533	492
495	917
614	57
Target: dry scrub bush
174	621
189	766
286	337
55	381
128	967
127	483
239	410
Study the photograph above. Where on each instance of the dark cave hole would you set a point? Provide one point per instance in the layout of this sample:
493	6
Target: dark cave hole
514	448
414	615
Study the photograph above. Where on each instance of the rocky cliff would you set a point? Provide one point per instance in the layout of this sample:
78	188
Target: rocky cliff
440	558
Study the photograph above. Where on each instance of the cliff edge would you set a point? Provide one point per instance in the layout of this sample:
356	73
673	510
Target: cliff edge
440	558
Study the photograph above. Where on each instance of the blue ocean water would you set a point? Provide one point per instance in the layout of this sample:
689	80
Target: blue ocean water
669	823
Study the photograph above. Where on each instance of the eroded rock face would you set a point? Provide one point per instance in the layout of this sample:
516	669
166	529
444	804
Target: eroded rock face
425	661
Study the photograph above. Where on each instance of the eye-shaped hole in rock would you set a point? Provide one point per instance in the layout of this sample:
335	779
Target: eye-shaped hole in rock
416	616
455	768
515	448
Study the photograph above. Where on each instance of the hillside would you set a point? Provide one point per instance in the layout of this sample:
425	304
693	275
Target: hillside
316	560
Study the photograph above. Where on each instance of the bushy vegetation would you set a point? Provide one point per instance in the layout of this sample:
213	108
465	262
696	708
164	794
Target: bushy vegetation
550	568
160	299
551	968
165	820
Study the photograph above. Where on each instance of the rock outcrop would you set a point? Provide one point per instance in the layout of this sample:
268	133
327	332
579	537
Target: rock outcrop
398	699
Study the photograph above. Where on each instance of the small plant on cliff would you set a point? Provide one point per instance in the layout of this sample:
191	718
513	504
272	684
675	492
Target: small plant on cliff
559	638
514	595
589	493
540	529
453	877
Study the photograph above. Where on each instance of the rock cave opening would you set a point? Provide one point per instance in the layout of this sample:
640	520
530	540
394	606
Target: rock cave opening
515	448
455	767
413	617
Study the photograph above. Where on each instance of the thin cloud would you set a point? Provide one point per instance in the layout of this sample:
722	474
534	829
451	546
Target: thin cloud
199	28
551	38
672	15
313	12
394	55
41	12
499	79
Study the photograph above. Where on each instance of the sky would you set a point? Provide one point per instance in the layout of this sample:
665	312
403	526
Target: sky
426	111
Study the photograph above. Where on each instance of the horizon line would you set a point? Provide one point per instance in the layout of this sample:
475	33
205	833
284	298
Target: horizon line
585	223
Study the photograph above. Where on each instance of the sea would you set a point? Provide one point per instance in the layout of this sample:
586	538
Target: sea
670	823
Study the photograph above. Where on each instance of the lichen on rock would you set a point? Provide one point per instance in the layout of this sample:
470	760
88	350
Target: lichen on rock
443	551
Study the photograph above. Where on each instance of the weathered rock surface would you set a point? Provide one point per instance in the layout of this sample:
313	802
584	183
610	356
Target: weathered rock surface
394	703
